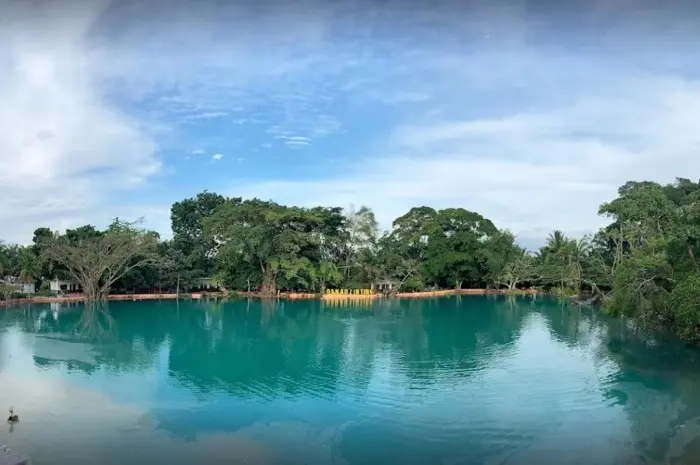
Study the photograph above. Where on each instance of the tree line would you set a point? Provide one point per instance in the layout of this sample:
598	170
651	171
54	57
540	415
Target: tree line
642	264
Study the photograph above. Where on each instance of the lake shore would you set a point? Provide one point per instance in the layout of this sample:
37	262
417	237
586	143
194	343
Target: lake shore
78	298
256	295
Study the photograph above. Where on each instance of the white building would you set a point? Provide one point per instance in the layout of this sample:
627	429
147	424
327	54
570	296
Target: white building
25	287
383	285
58	285
206	283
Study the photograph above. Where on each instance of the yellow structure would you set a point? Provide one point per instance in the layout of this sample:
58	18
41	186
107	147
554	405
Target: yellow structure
350	304
349	294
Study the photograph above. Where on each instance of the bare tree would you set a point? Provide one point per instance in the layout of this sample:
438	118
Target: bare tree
96	323
97	262
519	270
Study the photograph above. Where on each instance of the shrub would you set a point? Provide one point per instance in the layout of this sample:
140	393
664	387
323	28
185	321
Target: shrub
683	307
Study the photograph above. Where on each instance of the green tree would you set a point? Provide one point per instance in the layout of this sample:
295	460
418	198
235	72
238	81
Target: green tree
517	270
359	235
274	238
187	222
684	304
561	262
28	266
446	247
498	252
4	260
328	275
643	213
173	269
651	248
455	244
98	259
47	269
641	284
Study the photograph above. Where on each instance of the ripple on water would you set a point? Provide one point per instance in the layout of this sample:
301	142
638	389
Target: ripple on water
315	386
453	382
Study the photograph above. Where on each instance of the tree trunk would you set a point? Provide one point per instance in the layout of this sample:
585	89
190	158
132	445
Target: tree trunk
268	288
692	257
458	284
103	292
92	292
269	284
177	289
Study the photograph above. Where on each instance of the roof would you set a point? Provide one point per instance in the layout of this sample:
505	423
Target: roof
14	280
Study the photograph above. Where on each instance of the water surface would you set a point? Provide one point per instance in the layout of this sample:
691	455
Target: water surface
470	380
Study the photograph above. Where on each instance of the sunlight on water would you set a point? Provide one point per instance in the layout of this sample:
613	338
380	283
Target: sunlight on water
444	381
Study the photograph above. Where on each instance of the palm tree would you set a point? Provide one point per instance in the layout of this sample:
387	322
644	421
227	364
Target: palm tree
562	260
556	241
28	265
4	260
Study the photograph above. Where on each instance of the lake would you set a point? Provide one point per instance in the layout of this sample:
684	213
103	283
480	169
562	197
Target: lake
459	380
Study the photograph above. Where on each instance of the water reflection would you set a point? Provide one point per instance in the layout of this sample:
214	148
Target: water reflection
488	379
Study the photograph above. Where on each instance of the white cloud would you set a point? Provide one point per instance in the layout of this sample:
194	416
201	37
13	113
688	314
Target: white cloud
532	171
295	141
288	137
534	136
206	115
64	149
217	156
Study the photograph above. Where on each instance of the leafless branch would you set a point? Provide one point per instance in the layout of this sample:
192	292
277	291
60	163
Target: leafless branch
98	262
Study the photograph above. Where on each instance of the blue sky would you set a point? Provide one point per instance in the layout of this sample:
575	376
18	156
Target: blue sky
527	112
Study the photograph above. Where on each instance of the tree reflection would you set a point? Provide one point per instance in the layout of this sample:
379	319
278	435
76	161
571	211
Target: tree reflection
310	349
656	381
257	349
289	348
294	348
95	324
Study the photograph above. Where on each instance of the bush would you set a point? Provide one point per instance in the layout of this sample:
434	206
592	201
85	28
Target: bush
413	284
683	307
7	291
640	286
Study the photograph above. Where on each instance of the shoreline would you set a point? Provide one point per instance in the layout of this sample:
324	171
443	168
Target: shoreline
116	297
286	295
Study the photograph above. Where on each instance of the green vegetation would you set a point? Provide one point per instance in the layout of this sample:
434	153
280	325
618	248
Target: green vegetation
98	259
641	265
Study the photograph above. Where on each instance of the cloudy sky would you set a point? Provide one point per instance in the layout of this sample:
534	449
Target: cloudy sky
531	113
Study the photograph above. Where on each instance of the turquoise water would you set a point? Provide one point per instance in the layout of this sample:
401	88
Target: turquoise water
470	380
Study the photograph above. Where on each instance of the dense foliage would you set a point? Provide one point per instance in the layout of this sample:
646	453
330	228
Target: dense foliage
641	265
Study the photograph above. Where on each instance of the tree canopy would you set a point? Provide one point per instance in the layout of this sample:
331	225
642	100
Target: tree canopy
642	264
98	259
